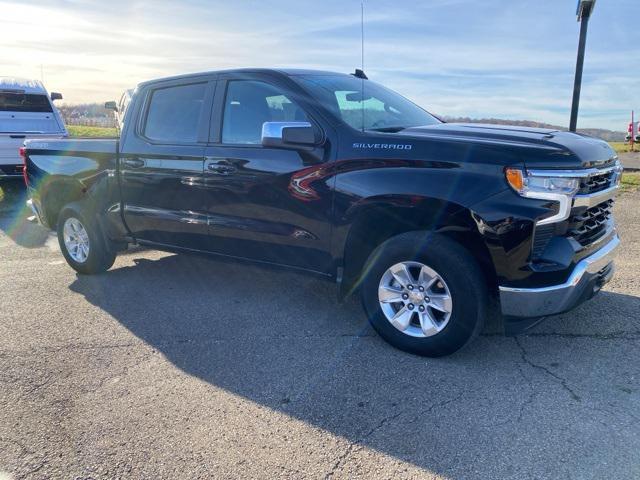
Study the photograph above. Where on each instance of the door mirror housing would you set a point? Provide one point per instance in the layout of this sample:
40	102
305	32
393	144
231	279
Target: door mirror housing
111	106
288	134
56	96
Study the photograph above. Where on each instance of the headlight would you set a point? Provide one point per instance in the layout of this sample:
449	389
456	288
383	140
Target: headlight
529	185
545	186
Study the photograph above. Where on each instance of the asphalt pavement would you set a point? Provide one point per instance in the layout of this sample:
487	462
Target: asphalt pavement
174	366
630	161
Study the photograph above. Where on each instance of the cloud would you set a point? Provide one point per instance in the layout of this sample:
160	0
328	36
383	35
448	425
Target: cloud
455	57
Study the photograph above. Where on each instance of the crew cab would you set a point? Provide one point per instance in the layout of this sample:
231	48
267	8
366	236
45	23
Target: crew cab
26	111
336	175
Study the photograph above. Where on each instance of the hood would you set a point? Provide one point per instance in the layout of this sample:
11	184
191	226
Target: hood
537	147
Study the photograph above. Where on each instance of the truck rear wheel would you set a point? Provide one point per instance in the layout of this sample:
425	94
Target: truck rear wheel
424	294
82	243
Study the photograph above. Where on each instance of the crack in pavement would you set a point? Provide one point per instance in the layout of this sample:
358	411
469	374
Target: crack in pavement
37	386
27	466
563	381
523	406
351	448
531	396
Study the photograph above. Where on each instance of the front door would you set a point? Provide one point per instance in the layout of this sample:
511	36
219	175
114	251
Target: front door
267	204
161	164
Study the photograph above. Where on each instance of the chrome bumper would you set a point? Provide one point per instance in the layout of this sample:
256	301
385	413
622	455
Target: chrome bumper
586	279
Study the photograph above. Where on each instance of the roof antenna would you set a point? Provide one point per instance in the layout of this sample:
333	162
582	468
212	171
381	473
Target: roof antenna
361	73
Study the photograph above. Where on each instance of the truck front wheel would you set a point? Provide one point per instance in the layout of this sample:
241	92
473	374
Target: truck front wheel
82	243
424	293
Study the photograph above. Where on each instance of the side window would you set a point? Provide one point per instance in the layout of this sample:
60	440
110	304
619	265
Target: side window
174	113
251	103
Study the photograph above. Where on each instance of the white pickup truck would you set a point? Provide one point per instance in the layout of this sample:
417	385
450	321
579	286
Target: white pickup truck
26	112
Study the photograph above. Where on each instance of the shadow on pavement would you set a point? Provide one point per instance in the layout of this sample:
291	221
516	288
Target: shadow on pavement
14	214
279	339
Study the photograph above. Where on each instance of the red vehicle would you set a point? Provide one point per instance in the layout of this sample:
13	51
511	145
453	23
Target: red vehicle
633	132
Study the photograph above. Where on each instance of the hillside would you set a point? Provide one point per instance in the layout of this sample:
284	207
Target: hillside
608	135
94	114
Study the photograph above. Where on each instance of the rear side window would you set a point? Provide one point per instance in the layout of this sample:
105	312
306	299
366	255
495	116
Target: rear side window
24	102
174	113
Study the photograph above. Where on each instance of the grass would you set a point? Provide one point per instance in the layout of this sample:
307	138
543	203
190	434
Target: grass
82	131
630	181
624	147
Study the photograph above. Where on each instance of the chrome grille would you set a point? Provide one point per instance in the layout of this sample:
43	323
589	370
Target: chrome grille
591	224
596	183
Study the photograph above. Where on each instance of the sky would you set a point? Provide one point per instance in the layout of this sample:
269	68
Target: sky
510	59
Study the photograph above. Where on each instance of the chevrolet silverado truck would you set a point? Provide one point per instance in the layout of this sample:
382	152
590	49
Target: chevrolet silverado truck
333	174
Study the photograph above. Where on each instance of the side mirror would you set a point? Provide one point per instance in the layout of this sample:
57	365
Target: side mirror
111	106
56	96
288	134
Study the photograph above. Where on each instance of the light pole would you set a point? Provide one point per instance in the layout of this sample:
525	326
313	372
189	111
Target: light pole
585	7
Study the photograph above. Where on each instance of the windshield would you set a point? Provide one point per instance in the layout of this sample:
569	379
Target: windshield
365	105
24	102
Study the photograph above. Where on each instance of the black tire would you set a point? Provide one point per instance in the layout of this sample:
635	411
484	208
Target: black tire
461	273
101	256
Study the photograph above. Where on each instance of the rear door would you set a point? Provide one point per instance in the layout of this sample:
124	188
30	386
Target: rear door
263	203
161	163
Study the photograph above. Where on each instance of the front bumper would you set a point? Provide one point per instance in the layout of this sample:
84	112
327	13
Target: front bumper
588	276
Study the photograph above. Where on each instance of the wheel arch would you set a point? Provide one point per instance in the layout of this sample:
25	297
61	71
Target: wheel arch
381	219
57	193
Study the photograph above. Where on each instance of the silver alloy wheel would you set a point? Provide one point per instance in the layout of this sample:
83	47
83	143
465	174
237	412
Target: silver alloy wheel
415	299
76	239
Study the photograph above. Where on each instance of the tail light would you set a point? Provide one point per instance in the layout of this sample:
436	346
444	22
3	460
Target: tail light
23	153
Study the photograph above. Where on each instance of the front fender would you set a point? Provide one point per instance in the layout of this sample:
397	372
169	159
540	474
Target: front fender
429	193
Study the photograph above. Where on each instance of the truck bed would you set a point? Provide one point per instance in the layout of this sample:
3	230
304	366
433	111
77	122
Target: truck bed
66	166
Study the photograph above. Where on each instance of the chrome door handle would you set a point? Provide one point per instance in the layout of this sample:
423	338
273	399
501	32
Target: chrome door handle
133	162
221	169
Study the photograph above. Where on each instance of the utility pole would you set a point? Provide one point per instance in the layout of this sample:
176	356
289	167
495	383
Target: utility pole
585	8
633	128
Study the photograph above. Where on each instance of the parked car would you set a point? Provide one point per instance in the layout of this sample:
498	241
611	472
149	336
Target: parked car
26	111
336	175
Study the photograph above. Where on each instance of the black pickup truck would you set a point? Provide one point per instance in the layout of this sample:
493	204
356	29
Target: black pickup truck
336	175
